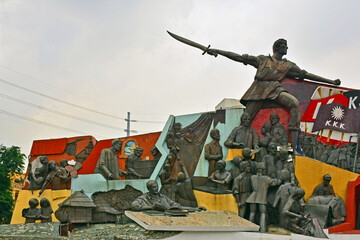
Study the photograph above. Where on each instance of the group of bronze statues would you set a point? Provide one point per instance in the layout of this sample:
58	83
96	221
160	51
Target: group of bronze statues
342	155
33	213
107	164
49	172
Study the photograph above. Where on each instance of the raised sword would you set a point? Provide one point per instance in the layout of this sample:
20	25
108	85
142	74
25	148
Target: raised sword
192	43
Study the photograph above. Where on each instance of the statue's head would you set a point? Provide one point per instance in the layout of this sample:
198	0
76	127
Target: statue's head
33	203
43	160
283	154
44	202
272	148
152	186
274	118
63	163
215	134
246	153
266	128
154	151
116	144
284	175
220	165
177	128
245	120
138	151
245	166
299	193
52	165
237	160
181	177
280	46
327	179
167	167
260	167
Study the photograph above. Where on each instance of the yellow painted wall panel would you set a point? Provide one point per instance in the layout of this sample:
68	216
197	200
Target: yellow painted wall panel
55	197
310	173
214	202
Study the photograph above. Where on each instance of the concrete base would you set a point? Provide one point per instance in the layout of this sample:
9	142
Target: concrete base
216	218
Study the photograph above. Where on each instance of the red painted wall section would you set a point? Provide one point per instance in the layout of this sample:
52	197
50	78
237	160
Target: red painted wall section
54	149
146	141
50	146
352	203
90	163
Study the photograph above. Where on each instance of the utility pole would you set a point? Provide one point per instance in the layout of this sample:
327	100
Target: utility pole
128	124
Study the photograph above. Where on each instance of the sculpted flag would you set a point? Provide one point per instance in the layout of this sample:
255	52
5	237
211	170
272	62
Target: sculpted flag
354	99
337	117
312	110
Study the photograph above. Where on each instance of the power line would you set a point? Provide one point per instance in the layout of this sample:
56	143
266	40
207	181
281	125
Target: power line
59	113
74	105
62	89
72	93
43	123
62	101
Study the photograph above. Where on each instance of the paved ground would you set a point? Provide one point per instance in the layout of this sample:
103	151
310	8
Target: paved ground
253	236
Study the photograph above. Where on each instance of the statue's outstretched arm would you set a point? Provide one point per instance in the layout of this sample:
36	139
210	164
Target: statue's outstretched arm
244	58
296	72
316	78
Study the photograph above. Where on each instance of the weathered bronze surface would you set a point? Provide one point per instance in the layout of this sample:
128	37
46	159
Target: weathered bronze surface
258	198
156	154
283	193
242	187
266	88
153	200
186	144
221	177
38	174
45	210
213	150
278	133
57	176
129	164
295	218
183	191
31	214
77	208
107	164
324	194
243	136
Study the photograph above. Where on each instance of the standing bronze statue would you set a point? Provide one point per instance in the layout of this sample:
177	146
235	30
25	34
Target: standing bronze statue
258	198
129	164
213	150
107	164
266	88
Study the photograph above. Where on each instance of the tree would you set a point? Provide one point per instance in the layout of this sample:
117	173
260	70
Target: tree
11	162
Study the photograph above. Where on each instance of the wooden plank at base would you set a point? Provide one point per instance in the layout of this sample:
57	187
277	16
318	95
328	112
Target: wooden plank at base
188	223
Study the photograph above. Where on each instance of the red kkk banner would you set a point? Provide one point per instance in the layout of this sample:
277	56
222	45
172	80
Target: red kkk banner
337	117
312	110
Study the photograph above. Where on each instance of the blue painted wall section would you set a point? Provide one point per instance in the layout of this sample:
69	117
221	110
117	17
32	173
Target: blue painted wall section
232	120
91	183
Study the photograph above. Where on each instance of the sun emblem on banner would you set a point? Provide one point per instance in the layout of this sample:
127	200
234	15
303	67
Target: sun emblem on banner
337	113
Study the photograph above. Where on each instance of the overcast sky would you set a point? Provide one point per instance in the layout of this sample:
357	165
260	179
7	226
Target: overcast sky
115	57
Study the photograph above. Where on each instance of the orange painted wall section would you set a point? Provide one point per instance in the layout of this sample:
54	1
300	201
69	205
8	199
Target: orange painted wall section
146	141
310	173
54	149
49	146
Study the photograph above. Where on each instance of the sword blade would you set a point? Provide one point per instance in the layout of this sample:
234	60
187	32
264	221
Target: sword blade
188	42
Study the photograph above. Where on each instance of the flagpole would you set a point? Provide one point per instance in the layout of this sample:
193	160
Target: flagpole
357	150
